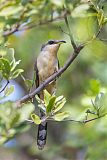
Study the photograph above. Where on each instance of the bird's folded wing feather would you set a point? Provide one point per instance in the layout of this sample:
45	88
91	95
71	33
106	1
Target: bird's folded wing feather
37	75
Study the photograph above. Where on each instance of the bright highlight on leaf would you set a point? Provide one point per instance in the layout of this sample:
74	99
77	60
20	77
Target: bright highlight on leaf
36	119
47	97
50	105
9	90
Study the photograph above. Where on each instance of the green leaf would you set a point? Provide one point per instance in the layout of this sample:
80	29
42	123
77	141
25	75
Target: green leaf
94	86
37	98
42	106
36	119
3	52
15	64
11	10
47	97
98	100
16	73
5	67
82	11
61	116
9	90
25	111
3	139
105	20
59	105
58	3
59	98
100	17
14	120
51	104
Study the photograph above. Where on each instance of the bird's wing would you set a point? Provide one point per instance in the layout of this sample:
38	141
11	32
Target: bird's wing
58	65
37	76
42	128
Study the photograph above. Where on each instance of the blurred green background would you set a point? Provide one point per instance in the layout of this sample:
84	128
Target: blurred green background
83	80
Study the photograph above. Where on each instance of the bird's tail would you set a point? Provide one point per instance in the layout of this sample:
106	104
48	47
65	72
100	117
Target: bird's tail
42	133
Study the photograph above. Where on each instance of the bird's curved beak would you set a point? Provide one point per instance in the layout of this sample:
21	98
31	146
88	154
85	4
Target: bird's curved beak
60	41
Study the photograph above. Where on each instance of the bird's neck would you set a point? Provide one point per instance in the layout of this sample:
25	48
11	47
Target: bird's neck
52	51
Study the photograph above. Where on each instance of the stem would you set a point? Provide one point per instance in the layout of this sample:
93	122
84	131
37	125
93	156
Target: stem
5	86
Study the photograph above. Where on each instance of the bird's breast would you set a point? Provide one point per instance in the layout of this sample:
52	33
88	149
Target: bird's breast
47	65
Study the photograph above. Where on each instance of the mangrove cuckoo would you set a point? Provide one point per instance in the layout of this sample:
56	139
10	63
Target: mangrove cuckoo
46	65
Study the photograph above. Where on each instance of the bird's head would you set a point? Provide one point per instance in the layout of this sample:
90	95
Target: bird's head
52	45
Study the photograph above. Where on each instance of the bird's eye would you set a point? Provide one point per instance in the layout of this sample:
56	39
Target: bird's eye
50	42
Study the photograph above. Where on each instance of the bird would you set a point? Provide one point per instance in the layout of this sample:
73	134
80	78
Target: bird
46	64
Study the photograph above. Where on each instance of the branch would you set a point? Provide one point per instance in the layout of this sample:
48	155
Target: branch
26	27
11	31
78	121
70	34
5	86
92	119
70	120
52	77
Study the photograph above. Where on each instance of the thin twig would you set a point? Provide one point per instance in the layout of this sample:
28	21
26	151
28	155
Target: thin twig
70	34
70	120
5	86
33	25
92	119
11	31
63	31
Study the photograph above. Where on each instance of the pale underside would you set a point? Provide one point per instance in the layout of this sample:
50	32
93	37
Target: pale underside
47	65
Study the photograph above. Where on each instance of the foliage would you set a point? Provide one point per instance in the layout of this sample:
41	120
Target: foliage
84	89
12	121
51	107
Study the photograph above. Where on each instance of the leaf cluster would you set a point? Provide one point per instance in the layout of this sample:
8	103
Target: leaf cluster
51	107
12	121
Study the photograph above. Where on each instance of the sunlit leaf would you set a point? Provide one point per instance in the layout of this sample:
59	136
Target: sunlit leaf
36	119
38	99
16	73
15	64
98	100
42	106
3	139
9	90
14	120
58	3
11	10
51	104
3	52
94	86
47	97
5	67
100	17
82	11
59	98
59	105
25	111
